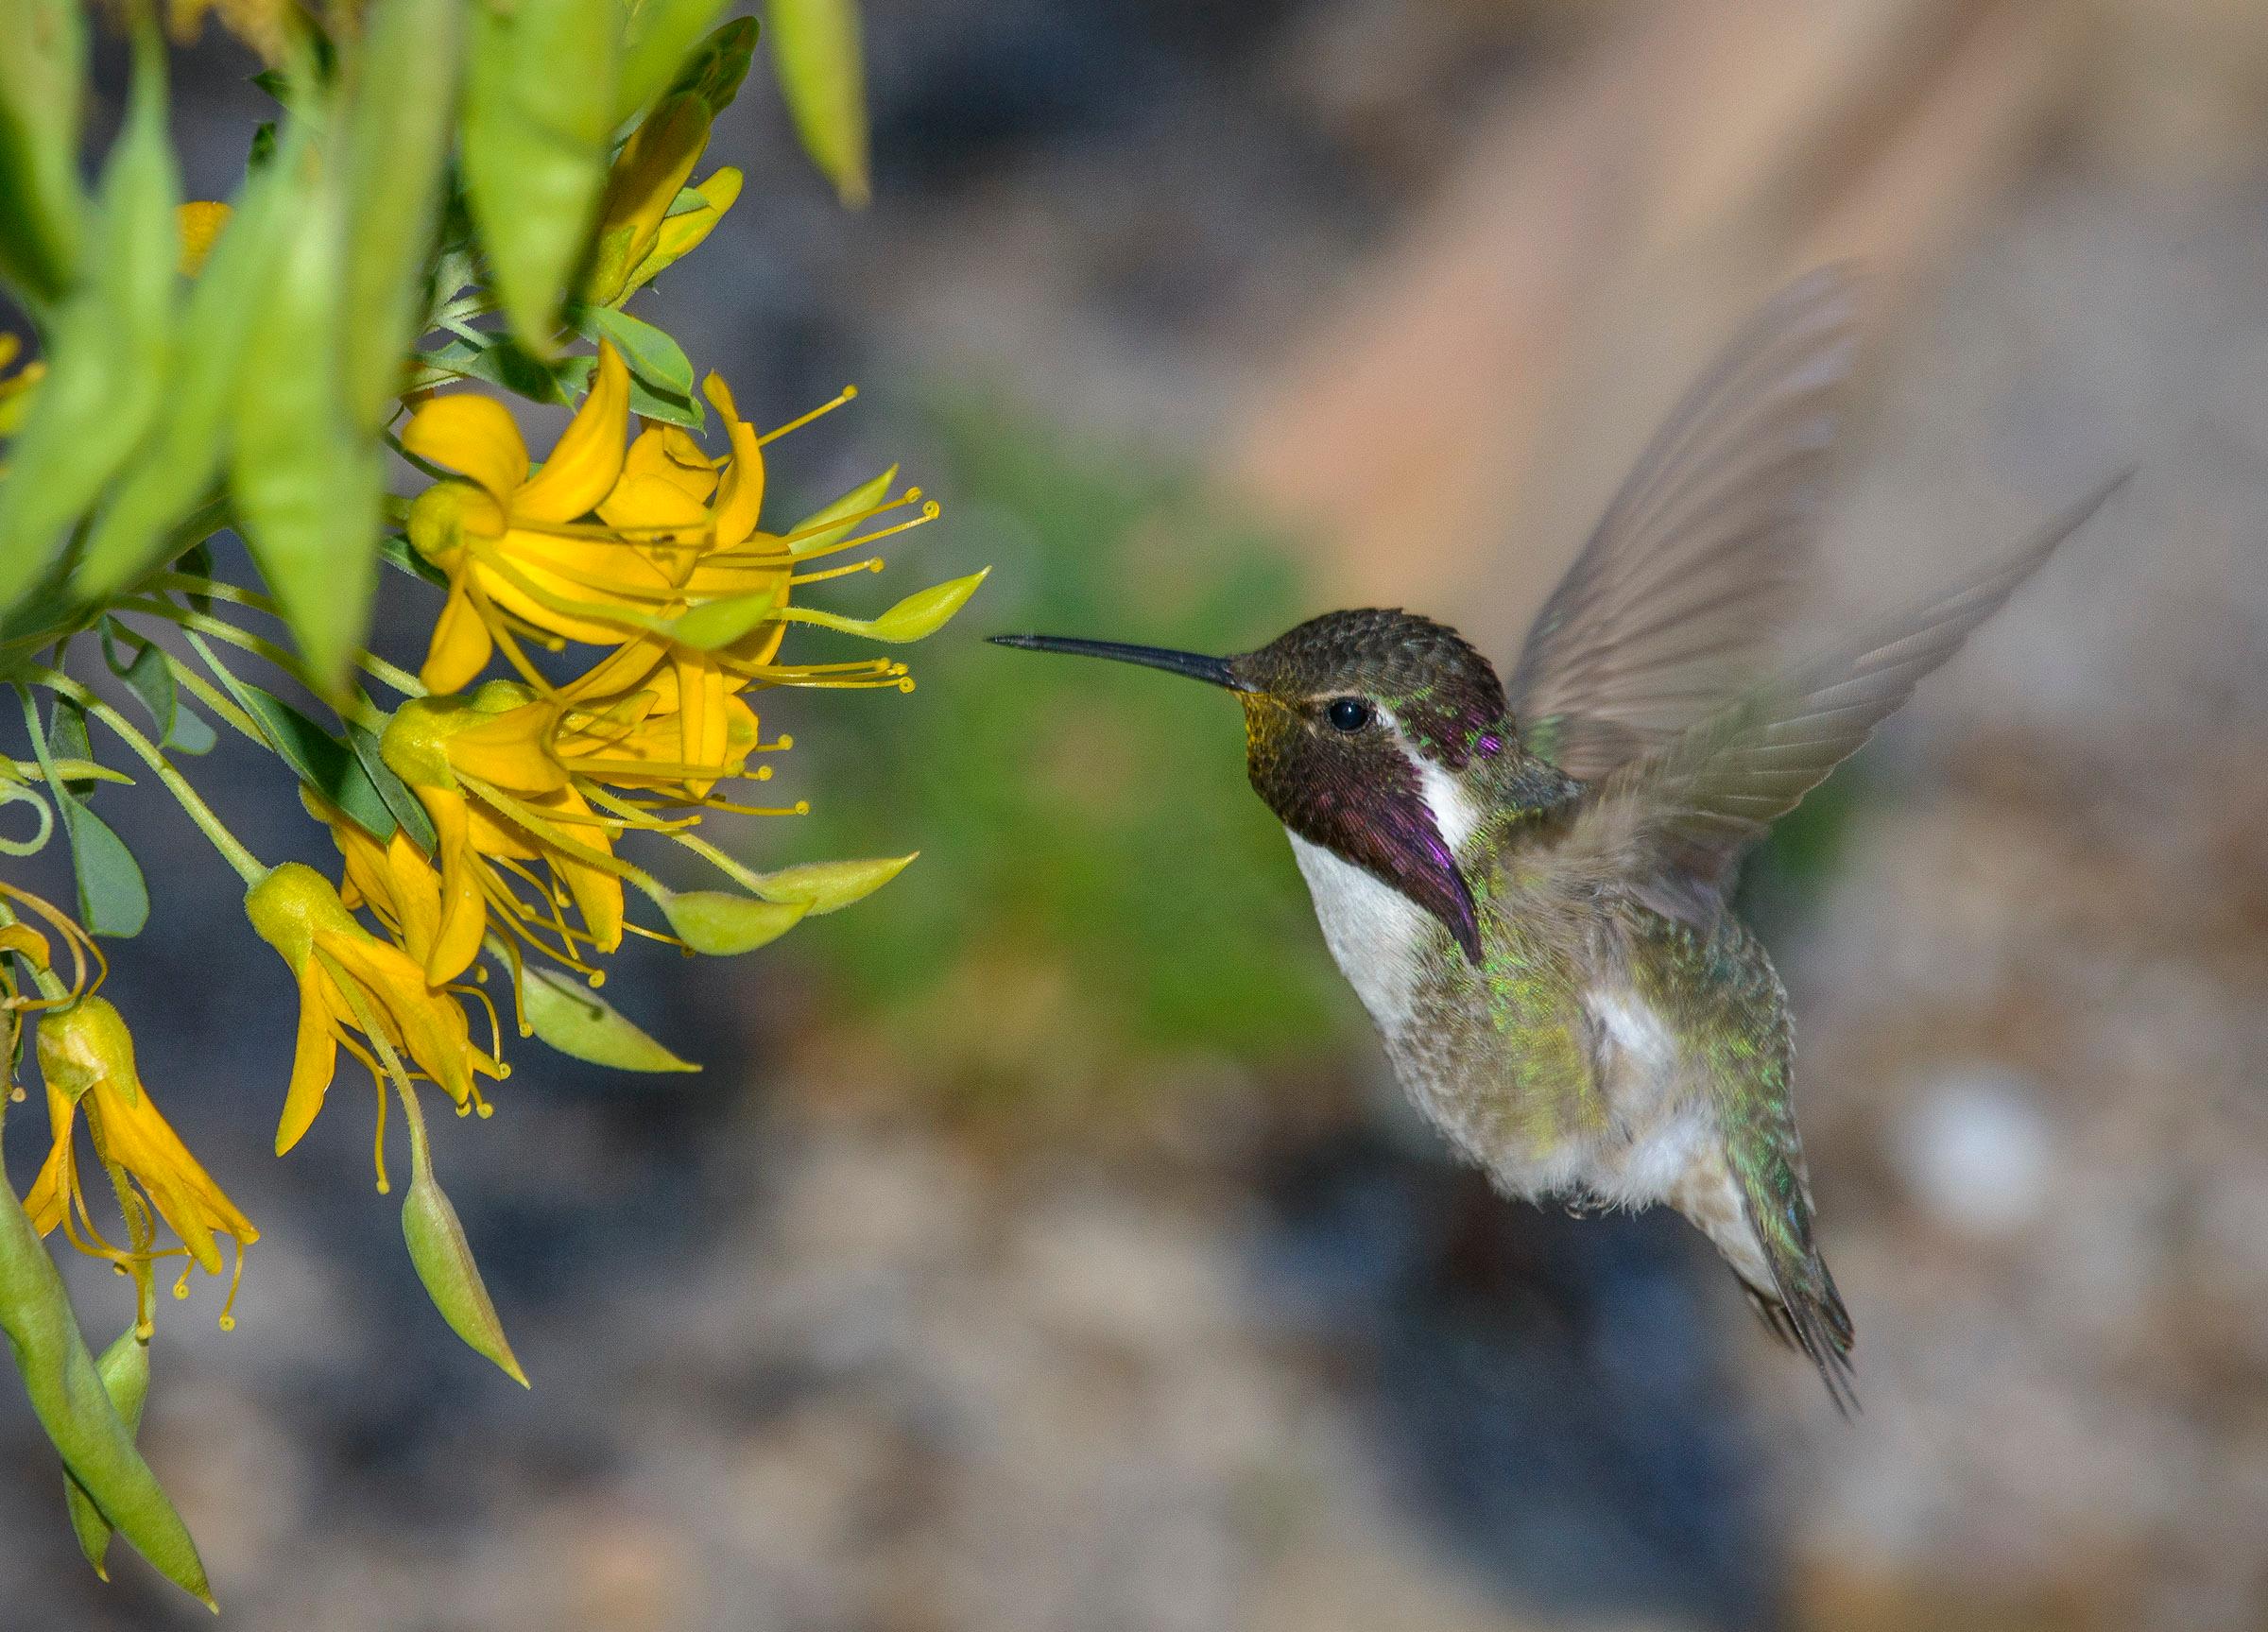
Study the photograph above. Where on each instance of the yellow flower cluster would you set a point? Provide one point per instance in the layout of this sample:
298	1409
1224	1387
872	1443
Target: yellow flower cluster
649	549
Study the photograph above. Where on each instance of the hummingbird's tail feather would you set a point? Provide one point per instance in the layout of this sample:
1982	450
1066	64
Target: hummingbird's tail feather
1805	1312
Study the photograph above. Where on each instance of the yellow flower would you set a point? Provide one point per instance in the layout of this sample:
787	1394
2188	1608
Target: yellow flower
510	543
16	389
483	768
637	233
351	982
87	1058
199	222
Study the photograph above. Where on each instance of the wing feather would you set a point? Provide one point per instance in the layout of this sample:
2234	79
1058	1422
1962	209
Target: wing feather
1695	566
1685	813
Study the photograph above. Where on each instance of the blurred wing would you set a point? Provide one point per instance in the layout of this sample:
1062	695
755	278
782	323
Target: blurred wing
1676	601
1684	815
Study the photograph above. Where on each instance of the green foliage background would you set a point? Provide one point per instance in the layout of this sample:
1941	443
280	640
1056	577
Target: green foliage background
1111	891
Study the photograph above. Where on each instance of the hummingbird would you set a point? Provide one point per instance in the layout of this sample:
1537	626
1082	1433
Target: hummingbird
1527	881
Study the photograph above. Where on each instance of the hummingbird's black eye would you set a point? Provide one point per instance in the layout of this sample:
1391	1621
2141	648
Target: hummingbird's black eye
1347	713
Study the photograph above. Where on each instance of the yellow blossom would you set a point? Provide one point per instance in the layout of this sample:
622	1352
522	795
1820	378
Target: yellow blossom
509	541
87	1057
483	768
351	982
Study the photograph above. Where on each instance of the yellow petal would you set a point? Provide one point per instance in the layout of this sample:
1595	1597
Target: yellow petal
464	914
682	233
314	1058
588	457
417	892
511	750
473	435
461	644
50	1193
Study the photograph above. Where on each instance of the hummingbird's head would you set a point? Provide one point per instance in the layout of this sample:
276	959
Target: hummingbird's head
1361	731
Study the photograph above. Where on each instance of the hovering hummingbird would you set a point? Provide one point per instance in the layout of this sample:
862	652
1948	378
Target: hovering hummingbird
1527	885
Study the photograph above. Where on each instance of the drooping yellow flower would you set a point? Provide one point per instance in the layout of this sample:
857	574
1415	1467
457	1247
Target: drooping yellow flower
513	545
16	389
351	982
87	1058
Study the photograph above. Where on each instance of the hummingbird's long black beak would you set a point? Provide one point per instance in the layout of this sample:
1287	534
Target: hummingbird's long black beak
1213	670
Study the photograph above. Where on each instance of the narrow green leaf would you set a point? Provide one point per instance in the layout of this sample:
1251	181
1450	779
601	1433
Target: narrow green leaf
538	113
150	678
720	924
445	1262
124	1369
307	485
68	1396
179	463
112	899
501	361
572	1019
107	356
655	45
832	523
398	128
827	887
652	356
41	74
318	758
817	54
393	790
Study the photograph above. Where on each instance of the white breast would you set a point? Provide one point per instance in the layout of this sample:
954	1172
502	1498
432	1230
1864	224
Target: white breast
1372	929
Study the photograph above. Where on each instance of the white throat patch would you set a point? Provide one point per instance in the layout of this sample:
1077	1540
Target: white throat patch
1373	930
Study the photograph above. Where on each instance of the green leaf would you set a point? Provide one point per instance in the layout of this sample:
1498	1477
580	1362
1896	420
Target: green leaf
720	924
661	32
124	1369
832	523
917	617
445	1262
307	485
572	1019
150	678
817	54
178	465
397	128
538	113
107	356
393	790
574	375
652	356
825	887
318	759
68	1396
112	899
714	71
41	74
500	361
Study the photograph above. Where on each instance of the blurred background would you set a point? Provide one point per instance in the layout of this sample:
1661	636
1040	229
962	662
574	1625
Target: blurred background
1044	1245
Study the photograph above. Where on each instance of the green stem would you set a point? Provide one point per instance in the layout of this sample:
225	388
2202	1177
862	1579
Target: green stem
189	583
359	708
249	866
